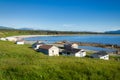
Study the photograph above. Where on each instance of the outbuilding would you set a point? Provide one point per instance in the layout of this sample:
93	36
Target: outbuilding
20	42
75	52
101	55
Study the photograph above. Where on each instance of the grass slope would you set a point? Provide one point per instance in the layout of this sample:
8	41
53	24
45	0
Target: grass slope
20	62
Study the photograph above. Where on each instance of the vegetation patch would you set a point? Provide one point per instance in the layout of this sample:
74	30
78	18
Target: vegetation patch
20	62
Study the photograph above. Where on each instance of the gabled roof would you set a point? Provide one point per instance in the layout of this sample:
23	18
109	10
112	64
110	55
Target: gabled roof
46	47
101	53
69	43
20	41
72	50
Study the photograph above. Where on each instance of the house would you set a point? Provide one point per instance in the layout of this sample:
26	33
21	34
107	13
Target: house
49	50
74	52
37	44
70	45
20	42
3	39
101	55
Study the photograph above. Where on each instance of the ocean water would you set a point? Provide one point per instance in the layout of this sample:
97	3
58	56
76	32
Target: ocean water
97	48
104	39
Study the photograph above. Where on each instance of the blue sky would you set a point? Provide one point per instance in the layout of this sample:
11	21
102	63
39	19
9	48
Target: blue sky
63	15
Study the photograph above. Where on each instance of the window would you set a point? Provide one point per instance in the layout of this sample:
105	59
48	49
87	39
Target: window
52	51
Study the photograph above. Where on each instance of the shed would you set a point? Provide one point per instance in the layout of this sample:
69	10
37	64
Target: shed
101	55
20	42
75	52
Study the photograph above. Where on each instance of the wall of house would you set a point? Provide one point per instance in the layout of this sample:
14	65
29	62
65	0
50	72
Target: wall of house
80	54
106	57
37	46
20	43
54	51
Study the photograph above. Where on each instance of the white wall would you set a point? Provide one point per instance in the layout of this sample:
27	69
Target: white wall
19	42
54	51
106	57
80	54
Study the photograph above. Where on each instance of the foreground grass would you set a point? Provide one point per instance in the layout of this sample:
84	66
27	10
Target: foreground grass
20	62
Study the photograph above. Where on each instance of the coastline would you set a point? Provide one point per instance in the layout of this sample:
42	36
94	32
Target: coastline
28	36
21	37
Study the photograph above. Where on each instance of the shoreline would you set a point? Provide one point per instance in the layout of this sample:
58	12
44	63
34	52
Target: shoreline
21	37
28	36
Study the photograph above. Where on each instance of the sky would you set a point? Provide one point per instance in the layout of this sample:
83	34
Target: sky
61	15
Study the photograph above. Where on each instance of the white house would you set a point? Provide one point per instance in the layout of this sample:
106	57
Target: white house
49	50
101	55
74	52
36	45
20	42
3	39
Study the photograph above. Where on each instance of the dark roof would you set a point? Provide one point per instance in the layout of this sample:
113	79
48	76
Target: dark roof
19	40
69	43
101	53
45	47
72	50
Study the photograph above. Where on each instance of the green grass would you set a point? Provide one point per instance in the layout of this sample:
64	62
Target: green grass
20	62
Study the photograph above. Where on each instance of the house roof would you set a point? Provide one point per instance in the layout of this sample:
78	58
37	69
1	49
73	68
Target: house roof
69	43
45	47
72	50
101	53
20	41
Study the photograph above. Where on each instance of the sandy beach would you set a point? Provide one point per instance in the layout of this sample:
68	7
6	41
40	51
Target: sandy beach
27	36
15	38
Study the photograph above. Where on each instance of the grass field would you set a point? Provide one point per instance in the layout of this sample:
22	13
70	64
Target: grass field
20	62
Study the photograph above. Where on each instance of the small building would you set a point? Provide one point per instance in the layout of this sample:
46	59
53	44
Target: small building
49	50
70	45
74	52
101	55
3	39
20	42
37	44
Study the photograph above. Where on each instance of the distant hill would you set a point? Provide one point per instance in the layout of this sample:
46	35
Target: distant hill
26	29
113	32
3	27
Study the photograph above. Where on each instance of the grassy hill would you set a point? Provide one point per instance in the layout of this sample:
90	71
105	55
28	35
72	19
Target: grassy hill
20	62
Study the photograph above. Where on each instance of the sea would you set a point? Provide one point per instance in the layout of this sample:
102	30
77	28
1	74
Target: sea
102	39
